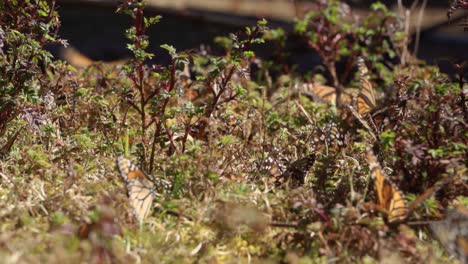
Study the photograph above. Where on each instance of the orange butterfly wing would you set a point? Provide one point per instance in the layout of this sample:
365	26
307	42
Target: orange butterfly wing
366	98
322	93
141	190
366	101
327	94
390	198
77	59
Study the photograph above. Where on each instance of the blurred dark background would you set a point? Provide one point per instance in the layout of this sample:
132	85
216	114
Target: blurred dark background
93	28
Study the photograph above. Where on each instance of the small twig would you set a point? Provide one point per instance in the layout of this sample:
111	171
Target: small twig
177	214
419	223
171	139
186	133
152	95
222	88
134	106
418	28
152	121
304	112
284	224
157	131
324	217
228	99
322	239
405	53
363	122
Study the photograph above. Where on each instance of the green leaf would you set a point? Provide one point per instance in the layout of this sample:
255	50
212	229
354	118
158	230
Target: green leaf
248	31
249	54
170	49
262	23
229	140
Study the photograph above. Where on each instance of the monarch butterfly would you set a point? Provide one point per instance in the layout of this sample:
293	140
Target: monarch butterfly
391	199
452	232
141	189
364	97
327	94
77	59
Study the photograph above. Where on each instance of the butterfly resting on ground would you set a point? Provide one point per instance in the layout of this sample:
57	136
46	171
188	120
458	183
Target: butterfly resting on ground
363	99
366	98
296	171
141	189
327	94
282	170
391	199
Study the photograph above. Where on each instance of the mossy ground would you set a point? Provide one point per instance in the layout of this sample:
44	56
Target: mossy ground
212	133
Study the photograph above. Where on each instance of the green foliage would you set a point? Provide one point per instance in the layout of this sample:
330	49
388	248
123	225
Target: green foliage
224	136
59	219
333	32
23	34
387	139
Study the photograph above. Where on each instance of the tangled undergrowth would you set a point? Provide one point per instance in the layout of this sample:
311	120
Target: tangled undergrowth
259	170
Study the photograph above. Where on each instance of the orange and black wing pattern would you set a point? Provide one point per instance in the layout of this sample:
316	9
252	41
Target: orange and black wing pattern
391	199
77	59
320	93
140	188
327	94
366	98
452	232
